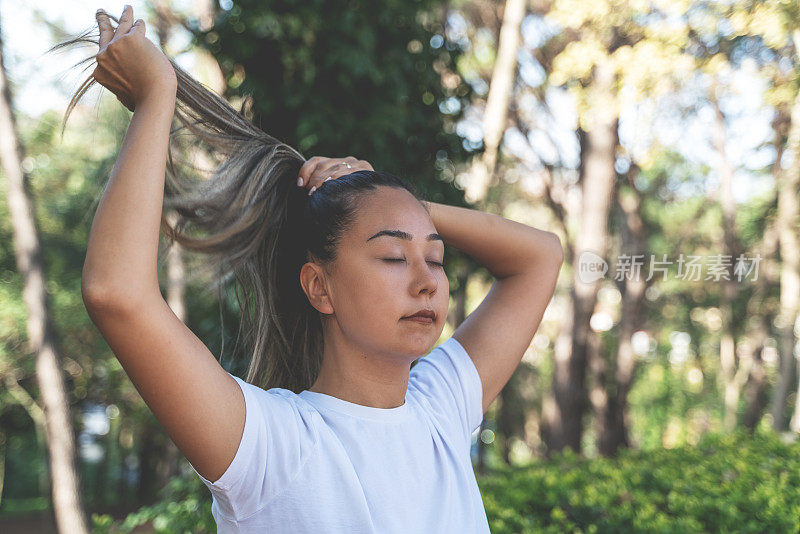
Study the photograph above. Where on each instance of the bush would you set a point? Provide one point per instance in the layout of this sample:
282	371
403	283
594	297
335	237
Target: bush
733	483
184	507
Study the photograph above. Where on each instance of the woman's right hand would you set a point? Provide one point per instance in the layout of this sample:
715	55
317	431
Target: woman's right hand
129	64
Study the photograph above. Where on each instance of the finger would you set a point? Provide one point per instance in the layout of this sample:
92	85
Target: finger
308	168
328	168
330	177
106	31
125	21
322	172
331	172
138	27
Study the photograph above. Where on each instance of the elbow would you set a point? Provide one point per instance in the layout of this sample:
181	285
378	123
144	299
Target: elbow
98	293
94	293
102	306
91	294
550	257
97	298
558	249
544	258
553	253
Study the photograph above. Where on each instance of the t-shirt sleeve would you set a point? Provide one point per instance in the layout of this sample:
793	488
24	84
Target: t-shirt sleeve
448	381
274	443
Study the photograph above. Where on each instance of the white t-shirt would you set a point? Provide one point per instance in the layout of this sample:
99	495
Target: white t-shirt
314	463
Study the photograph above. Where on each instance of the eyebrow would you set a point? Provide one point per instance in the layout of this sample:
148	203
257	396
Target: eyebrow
405	235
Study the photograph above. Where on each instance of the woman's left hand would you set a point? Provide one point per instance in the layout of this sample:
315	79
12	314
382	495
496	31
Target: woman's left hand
319	169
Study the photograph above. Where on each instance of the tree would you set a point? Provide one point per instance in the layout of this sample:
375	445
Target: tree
41	336
495	112
587	65
317	73
772	30
602	48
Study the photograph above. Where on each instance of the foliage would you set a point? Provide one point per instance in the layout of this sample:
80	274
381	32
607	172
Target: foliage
184	506
733	483
349	78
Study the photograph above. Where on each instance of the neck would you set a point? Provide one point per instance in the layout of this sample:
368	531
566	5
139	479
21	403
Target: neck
362	375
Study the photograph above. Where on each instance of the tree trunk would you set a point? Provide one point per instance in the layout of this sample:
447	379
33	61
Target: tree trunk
552	423
598	176
755	390
148	461
511	414
496	111
40	332
757	386
505	424
614	424
786	223
730	380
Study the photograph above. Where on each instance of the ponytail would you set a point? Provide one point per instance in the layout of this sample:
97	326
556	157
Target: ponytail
255	224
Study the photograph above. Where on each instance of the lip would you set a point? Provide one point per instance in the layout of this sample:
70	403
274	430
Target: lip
425	316
419	319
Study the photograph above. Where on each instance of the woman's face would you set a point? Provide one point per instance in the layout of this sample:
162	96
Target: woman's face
379	278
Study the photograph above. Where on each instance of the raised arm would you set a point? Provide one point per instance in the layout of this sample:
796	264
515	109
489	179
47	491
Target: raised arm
199	405
525	262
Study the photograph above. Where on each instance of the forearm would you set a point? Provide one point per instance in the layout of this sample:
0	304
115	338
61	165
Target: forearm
505	247
121	257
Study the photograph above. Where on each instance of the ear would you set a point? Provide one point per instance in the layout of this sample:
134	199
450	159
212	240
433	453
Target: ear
312	280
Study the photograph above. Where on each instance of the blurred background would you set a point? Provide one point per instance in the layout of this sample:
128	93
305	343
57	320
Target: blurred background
659	139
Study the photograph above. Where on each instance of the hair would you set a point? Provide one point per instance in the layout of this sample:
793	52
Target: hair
255	225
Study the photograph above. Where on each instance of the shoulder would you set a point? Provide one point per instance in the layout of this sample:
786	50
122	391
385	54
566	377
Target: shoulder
447	384
277	405
280	433
448	359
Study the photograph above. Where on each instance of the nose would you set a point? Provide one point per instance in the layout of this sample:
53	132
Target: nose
424	278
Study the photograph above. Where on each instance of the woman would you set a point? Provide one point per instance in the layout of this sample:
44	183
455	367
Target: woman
332	431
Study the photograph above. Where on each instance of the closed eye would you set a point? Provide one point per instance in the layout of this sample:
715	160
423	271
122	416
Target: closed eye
438	264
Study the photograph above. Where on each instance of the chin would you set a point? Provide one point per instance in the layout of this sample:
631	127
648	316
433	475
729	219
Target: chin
421	341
